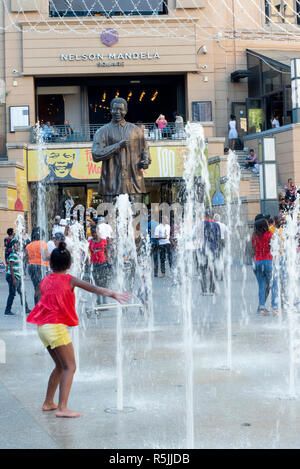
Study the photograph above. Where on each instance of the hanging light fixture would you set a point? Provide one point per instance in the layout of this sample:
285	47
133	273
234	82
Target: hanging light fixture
154	96
142	96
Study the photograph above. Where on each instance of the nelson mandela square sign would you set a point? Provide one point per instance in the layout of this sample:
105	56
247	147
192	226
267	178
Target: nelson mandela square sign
110	59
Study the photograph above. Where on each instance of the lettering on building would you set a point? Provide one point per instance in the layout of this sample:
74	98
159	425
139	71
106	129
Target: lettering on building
107	58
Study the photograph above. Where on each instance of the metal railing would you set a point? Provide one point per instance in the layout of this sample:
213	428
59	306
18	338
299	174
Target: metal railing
85	133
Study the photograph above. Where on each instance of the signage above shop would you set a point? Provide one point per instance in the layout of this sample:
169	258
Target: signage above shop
112	59
110	56
111	49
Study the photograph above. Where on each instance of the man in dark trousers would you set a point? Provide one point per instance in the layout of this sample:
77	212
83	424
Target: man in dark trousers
208	253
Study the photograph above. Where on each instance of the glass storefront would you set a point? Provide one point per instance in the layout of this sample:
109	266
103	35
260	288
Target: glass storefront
269	90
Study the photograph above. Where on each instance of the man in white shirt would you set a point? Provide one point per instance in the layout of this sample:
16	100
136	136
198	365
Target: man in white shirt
60	228
162	234
56	225
53	243
275	122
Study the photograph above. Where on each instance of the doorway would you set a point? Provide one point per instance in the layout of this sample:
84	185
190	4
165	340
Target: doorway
51	108
240	112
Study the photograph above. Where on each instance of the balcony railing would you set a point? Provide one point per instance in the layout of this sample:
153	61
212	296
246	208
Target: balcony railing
85	133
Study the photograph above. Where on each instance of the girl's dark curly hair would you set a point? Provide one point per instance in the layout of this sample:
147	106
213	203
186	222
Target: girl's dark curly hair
60	258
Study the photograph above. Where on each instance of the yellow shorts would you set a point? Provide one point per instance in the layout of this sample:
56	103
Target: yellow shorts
54	335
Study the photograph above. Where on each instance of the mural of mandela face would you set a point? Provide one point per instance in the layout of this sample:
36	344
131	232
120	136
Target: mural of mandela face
60	164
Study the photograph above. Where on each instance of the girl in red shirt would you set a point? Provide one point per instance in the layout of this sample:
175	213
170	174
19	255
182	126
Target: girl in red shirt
98	248
263	265
53	314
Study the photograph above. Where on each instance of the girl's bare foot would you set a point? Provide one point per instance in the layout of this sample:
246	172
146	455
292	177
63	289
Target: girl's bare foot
67	413
51	406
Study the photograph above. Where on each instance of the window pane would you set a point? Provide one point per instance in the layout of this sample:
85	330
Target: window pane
271	79
202	111
87	7
288	104
254	79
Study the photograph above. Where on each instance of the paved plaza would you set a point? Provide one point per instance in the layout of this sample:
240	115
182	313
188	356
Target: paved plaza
248	406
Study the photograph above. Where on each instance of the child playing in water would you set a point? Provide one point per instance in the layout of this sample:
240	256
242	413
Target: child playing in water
53	314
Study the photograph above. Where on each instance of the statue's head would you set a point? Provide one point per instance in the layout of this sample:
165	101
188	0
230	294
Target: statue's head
118	109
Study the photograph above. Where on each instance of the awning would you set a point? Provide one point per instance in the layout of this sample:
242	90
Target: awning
277	58
239	74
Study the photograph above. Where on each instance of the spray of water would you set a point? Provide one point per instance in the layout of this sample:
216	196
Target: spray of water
292	295
277	248
20	227
41	190
126	257
232	201
79	247
145	278
195	163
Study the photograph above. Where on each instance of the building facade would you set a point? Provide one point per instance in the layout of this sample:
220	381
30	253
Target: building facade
56	68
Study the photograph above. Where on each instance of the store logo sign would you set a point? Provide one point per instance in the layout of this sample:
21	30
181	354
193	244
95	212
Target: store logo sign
109	37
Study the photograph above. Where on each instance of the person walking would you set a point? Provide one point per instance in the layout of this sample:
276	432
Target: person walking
54	242
13	277
263	266
233	134
162	234
208	254
97	246
152	225
53	314
36	255
224	232
7	241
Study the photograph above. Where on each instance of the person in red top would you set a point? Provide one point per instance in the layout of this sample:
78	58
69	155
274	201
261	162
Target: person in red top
54	312
263	265
98	248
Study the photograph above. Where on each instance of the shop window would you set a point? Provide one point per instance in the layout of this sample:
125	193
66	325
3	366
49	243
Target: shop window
271	79
202	111
298	11
288	104
107	8
281	11
254	80
256	119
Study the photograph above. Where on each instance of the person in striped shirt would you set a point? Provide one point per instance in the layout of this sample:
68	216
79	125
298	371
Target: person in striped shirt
13	277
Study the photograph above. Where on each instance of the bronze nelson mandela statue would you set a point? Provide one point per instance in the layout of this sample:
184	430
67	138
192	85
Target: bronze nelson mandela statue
124	153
